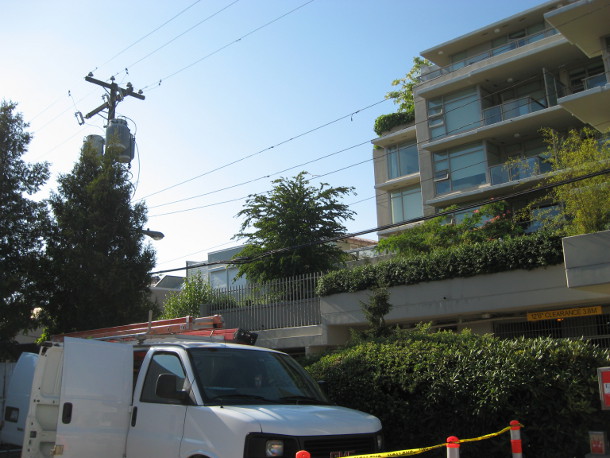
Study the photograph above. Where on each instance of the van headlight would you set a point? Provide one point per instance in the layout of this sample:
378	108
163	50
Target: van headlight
274	448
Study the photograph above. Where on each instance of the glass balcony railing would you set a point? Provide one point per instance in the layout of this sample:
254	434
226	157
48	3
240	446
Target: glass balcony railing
595	81
529	167
512	109
506	47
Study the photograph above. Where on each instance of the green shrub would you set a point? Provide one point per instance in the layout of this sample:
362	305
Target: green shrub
387	122
526	252
427	386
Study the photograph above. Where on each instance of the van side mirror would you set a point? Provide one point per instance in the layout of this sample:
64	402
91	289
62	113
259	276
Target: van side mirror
166	388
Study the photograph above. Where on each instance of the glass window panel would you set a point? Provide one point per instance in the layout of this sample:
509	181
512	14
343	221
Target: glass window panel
409	160
393	164
442	187
462	111
468	166
437	132
407	204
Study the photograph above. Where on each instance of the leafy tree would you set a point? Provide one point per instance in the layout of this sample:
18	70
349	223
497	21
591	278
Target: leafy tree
584	206
490	222
98	266
195	292
292	214
403	96
375	310
23	225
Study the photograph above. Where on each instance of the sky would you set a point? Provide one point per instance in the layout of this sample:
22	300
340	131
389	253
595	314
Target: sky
238	93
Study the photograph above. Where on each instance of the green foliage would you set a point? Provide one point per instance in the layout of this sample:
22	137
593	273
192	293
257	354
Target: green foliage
426	386
194	293
490	222
387	122
585	204
403	96
97	264
292	214
466	260
23	227
375	310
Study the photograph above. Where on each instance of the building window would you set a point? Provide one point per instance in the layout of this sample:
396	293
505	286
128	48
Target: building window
454	113
403	160
460	168
407	204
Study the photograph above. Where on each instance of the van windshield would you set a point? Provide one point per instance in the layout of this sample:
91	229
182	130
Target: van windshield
230	376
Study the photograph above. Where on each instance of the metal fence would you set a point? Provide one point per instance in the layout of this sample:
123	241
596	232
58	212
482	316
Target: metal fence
593	328
285	303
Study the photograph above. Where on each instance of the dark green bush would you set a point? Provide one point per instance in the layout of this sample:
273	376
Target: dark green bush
385	123
526	252
427	386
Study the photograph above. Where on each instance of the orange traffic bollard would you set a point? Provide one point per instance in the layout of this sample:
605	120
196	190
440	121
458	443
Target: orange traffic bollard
515	439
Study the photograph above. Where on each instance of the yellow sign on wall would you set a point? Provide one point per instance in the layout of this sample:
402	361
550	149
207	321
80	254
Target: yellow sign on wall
565	313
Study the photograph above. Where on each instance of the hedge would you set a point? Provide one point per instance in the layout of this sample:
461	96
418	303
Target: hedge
526	252
385	123
425	387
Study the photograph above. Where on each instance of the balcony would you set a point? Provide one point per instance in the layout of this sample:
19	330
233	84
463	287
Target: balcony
512	109
529	167
435	73
590	104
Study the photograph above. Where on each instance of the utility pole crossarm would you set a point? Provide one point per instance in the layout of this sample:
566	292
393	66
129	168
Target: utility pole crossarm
117	94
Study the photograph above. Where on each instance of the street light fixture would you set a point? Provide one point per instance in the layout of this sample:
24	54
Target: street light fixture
155	235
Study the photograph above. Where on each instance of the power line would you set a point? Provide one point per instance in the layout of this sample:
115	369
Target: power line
246	260
157	84
283	142
181	34
147	35
417	143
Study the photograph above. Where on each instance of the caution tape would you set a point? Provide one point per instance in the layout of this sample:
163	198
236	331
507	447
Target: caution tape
417	451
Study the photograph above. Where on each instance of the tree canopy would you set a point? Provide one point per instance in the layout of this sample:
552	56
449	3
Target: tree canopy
297	216
97	263
583	205
195	292
23	225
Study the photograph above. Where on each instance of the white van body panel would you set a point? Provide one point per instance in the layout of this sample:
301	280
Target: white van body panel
97	383
18	400
207	428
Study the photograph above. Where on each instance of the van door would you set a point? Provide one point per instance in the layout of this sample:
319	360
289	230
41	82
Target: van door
18	400
95	399
157	423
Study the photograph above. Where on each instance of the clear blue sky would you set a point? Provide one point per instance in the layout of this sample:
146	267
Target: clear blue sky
224	104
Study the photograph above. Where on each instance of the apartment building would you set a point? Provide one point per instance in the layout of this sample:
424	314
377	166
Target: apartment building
482	104
478	112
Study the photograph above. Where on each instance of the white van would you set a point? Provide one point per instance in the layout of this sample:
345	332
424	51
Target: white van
18	400
187	399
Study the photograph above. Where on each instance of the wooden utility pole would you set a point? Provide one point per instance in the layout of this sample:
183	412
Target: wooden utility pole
117	94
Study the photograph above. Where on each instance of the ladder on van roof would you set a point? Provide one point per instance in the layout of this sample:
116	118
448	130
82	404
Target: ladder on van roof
188	327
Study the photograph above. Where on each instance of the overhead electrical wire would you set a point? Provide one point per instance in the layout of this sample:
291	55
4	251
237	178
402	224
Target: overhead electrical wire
178	36
243	158
417	143
245	260
147	35
157	84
